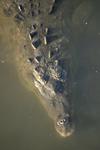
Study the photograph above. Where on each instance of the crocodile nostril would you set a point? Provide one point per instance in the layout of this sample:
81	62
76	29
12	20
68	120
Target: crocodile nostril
61	122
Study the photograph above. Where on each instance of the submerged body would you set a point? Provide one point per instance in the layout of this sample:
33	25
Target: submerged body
42	61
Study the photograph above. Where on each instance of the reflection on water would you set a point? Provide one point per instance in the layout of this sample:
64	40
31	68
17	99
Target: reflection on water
24	123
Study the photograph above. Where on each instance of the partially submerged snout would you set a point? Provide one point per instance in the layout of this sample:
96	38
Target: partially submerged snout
64	126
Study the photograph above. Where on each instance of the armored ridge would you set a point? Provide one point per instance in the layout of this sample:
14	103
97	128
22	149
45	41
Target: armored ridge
43	65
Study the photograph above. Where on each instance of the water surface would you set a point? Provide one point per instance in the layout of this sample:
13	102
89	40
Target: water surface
24	123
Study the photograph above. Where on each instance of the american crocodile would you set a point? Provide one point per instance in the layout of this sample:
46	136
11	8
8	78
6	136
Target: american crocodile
44	61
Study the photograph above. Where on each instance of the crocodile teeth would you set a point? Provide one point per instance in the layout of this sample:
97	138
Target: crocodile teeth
30	60
46	30
19	16
21	8
56	62
33	26
32	35
40	76
45	40
49	54
35	44
38	59
52	53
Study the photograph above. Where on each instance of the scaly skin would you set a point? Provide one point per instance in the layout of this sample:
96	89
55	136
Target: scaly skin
42	62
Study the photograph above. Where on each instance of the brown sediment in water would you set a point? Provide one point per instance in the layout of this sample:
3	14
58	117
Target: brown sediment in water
44	59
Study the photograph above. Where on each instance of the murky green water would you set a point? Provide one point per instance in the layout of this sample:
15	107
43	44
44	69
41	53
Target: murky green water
24	123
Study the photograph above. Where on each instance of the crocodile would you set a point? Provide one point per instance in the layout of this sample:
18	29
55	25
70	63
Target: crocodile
44	60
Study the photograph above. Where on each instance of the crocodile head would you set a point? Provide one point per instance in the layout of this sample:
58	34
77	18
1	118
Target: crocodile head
64	126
